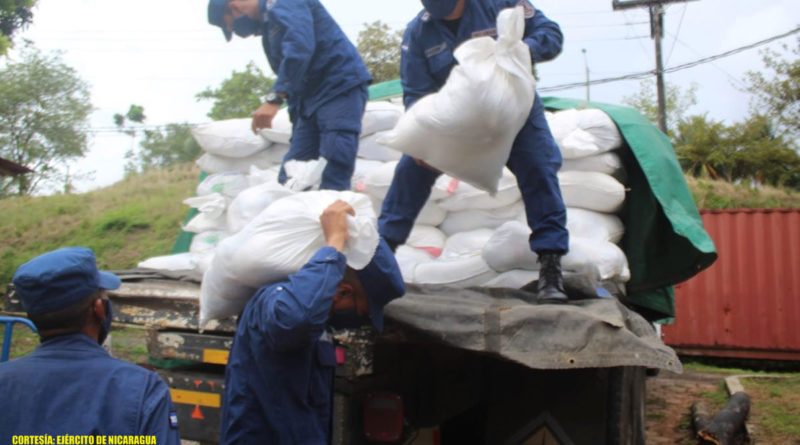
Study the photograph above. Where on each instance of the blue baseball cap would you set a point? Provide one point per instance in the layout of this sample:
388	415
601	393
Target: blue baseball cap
216	12
439	9
382	282
57	279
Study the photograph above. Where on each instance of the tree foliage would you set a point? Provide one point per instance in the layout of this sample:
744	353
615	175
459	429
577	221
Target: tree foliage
678	101
44	107
380	48
239	95
165	147
778	96
15	15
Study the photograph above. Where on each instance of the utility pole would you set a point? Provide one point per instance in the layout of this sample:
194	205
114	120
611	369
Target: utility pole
656	8
586	65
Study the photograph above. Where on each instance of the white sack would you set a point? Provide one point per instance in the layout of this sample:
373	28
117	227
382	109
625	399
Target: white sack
466	244
601	260
207	241
370	148
232	138
562	123
432	214
258	176
277	243
408	258
592	191
252	201
211	214
467	197
608	163
380	115
594	225
304	175
377	181
427	238
466	220
464	133
223	164
510	249
513	279
227	184
281	131
276	152
180	265
363	167
459	272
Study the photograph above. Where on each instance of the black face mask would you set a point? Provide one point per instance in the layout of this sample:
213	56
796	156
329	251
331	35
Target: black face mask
346	319
106	327
244	26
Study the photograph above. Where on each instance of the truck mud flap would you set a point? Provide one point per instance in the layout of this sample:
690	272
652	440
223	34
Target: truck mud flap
198	400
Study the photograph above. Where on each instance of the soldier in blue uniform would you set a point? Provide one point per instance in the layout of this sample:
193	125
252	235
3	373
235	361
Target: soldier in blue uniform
70	385
319	73
427	59
279	377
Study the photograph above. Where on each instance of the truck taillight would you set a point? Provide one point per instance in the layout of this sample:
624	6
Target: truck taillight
383	417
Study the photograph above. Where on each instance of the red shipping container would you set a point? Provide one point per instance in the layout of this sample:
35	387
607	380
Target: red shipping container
747	304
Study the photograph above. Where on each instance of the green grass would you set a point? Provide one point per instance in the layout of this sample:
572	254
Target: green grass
775	408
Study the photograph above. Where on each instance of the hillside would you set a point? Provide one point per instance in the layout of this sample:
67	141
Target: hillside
140	217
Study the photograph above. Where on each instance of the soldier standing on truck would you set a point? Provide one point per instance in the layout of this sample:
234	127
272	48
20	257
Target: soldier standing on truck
426	61
319	73
70	386
279	376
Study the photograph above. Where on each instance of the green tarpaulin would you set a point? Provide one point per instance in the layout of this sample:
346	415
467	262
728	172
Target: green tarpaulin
665	241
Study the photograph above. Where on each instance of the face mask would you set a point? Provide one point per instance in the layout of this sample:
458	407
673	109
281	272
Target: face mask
346	319
244	26
106	327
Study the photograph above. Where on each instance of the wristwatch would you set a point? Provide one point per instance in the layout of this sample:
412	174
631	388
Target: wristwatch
273	98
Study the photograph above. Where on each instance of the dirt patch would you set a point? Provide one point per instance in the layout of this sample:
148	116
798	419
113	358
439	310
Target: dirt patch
669	399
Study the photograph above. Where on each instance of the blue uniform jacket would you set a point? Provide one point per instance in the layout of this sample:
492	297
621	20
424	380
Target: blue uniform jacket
428	45
279	377
70	385
312	57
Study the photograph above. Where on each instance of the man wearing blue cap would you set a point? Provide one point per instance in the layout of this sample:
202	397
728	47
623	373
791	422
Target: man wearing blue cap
70	385
319	73
279	377
426	61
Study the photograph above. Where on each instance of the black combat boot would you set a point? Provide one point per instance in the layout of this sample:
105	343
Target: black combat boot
551	283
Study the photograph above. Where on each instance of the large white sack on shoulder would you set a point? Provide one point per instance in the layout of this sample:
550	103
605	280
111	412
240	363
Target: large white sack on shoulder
370	148
220	295
594	225
252	201
466	220
285	235
427	238
469	135
378	180
380	115
233	138
179	265
281	131
592	191
608	163
363	167
513	279
598	259
466	244
227	184
303	176
466	197
223	164
408	258
509	248
562	123
601	127
457	272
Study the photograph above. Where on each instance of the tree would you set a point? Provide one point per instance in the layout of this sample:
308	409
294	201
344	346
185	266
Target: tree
778	96
15	15
240	95
678	101
380	48
698	146
44	107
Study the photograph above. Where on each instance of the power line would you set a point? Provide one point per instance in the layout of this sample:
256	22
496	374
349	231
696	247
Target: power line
646	74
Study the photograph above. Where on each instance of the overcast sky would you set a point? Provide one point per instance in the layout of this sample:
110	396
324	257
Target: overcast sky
160	54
